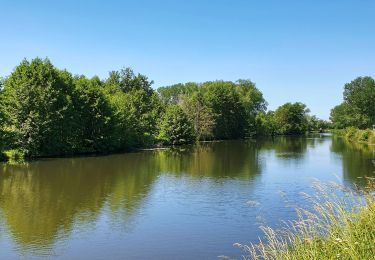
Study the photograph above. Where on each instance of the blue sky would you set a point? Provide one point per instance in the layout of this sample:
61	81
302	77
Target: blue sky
293	50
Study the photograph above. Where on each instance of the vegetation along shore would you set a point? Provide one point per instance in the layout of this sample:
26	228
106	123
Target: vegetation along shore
45	111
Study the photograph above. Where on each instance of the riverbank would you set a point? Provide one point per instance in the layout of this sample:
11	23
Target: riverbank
337	228
352	134
17	156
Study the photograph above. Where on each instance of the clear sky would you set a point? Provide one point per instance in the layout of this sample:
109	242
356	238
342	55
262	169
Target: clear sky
302	50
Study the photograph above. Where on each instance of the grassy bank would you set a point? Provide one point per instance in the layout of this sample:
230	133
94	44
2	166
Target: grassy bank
357	135
337	227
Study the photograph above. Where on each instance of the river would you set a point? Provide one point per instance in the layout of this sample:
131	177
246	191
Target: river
191	202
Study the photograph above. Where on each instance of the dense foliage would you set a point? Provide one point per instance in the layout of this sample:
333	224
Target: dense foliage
358	107
45	111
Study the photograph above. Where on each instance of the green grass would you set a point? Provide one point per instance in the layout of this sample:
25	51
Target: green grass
337	227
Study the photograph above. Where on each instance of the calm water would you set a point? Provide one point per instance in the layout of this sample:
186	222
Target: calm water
189	203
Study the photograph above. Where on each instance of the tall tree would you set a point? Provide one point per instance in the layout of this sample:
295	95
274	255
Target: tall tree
93	116
37	102
230	114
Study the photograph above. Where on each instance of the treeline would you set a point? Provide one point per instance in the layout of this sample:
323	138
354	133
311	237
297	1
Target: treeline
45	111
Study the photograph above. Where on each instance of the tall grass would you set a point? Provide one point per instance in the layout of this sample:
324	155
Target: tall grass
339	225
357	135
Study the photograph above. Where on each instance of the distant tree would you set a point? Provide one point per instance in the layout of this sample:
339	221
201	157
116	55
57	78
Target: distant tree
291	118
175	126
172	94
316	124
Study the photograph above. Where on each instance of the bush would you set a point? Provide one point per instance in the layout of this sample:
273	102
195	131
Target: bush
371	139
364	135
14	156
351	133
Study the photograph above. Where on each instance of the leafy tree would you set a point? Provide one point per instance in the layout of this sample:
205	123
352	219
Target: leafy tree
37	102
344	115
175	126
291	118
126	81
253	102
144	112
358	108
360	97
93	116
230	114
200	114
137	107
265	124
316	124
172	94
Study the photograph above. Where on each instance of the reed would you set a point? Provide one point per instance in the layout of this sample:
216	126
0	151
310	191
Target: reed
339	225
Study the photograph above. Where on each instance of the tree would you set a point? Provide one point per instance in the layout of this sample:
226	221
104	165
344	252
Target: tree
230	114
253	103
358	107
93	116
37	103
265	124
291	118
175	126
126	81
200	114
172	94
137	107
360	96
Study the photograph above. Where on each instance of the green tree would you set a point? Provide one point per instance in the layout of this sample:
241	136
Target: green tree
358	107
175	126
93	116
137	108
265	124
360	96
200	114
172	94
230	114
37	102
253	102
291	118
126	81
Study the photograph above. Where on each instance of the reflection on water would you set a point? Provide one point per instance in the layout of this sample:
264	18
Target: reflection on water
358	160
112	206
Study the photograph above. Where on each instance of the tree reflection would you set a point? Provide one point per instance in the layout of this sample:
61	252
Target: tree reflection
358	160
44	200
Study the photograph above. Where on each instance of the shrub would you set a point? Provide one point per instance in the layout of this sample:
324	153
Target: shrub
14	156
351	133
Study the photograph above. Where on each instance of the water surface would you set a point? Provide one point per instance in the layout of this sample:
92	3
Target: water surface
193	202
